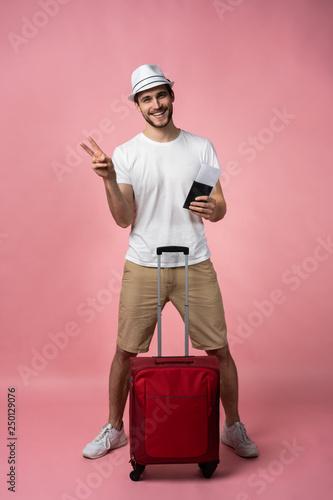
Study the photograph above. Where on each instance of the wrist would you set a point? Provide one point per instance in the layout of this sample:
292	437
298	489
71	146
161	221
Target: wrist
110	178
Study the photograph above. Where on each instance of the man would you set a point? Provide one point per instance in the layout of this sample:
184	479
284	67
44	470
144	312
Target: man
146	184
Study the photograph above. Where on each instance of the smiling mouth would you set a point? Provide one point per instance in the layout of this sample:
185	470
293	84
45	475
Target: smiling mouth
160	113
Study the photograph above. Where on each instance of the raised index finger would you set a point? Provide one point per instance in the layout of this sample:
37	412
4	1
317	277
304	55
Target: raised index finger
87	149
95	145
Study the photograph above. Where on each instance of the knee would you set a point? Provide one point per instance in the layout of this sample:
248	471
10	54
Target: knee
222	354
124	356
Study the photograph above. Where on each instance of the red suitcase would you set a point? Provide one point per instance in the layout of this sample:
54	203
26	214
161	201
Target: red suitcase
174	404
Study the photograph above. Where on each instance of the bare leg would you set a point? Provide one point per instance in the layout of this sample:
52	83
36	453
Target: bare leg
119	386
229	384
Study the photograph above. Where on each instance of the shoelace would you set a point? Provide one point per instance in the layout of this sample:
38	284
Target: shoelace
242	436
103	435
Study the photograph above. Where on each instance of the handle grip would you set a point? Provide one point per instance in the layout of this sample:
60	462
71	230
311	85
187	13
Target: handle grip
184	250
186	360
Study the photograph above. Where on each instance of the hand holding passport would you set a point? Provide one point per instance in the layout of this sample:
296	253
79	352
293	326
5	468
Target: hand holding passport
203	184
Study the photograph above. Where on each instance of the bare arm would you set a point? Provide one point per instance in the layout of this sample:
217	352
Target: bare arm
121	202
213	207
120	196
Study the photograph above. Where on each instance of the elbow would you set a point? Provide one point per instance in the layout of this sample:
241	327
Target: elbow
123	218
124	223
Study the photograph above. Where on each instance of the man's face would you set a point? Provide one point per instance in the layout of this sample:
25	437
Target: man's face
156	106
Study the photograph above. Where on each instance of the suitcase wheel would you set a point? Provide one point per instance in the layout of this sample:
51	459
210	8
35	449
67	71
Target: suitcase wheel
209	468
136	473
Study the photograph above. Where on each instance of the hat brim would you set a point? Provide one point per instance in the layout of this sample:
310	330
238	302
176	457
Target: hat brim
150	86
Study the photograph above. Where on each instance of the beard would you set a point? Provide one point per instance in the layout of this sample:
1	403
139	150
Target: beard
148	120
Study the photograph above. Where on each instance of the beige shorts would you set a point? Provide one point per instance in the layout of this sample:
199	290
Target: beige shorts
138	305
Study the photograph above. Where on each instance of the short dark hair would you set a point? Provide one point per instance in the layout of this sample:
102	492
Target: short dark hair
169	89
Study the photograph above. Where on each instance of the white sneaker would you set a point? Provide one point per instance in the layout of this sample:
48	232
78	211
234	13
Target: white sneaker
108	439
236	437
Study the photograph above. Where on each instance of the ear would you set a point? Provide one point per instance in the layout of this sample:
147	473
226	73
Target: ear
172	96
137	106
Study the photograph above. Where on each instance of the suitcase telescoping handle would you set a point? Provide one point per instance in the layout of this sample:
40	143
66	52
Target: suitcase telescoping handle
159	252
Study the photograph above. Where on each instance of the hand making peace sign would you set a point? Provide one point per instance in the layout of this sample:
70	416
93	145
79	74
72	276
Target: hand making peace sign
101	163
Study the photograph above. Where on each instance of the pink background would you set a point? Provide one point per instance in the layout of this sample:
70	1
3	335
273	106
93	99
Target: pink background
238	65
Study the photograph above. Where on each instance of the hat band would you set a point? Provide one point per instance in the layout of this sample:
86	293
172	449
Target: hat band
161	79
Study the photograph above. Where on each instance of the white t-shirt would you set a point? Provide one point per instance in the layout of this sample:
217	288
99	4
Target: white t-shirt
161	174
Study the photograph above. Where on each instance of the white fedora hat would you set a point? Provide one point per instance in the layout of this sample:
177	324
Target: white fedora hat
146	77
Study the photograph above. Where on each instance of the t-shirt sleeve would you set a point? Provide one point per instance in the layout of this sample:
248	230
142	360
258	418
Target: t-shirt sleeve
211	156
121	167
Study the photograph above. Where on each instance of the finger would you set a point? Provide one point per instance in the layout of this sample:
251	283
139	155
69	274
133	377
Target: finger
87	149
203	205
94	144
196	207
99	165
202	198
203	215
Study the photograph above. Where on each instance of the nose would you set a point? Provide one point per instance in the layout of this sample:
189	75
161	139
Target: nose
156	103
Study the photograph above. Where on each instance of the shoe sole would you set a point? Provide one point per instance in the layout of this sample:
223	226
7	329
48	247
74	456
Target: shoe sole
119	445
